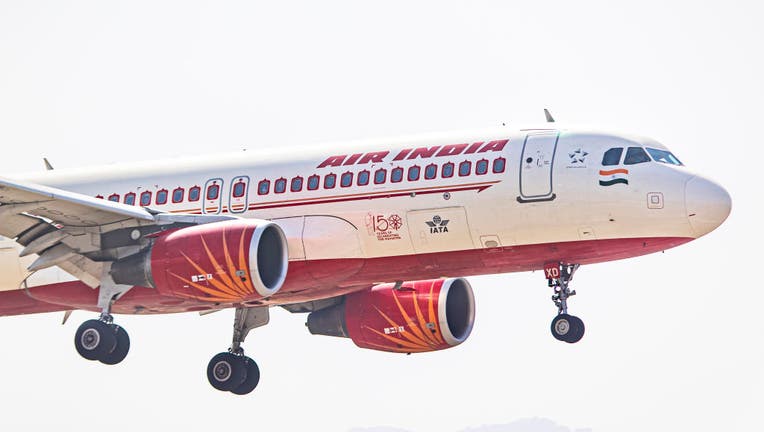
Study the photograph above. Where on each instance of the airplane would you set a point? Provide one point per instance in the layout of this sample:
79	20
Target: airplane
372	239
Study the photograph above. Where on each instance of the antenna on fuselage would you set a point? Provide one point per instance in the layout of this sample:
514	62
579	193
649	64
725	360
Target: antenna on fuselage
48	166
549	118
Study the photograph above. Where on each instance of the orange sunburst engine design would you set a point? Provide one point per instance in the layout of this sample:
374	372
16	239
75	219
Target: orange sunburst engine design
419	316
229	261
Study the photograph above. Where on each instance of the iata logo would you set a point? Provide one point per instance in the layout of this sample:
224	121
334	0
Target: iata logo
437	225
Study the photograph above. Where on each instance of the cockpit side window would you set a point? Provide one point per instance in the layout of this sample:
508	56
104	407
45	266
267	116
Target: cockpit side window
612	156
663	156
636	155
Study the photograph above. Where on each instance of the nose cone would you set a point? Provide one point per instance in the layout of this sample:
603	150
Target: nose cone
708	205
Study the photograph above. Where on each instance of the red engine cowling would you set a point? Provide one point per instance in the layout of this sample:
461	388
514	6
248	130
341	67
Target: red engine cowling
419	316
228	261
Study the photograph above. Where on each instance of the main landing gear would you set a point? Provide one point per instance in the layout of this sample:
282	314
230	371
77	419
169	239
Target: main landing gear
565	327
100	339
232	371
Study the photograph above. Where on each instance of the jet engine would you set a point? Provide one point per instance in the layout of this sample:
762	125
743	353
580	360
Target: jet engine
228	261
417	316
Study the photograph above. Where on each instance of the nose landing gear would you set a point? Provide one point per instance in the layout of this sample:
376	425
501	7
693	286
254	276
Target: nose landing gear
564	327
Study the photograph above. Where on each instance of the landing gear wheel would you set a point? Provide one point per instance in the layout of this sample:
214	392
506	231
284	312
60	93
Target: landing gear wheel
120	351
94	339
561	326
250	382
226	371
567	328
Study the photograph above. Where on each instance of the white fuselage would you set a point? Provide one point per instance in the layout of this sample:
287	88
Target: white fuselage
488	190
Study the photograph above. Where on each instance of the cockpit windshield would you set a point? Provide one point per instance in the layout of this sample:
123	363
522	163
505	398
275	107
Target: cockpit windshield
663	156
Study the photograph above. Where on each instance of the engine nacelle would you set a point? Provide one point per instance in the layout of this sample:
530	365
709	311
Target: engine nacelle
419	316
228	261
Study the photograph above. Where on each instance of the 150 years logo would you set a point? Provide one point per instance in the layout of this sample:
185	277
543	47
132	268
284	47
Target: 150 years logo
384	227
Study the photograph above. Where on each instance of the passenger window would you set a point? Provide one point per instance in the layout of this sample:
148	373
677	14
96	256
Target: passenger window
162	196
448	170
263	187
329	181
280	185
193	193
347	179
130	198
212	193
481	167
238	189
499	165
431	171
177	195
296	184
396	175
363	178
313	182
114	197
146	198
414	173
465	168
380	176
612	156
635	155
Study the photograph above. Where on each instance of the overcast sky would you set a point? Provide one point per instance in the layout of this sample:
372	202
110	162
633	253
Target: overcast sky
673	340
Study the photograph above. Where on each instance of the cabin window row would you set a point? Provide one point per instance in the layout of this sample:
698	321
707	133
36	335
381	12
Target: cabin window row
382	176
162	196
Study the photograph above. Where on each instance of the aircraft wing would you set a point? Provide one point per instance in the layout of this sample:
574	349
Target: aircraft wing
70	230
20	200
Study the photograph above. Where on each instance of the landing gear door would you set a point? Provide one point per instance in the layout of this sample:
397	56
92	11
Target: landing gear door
537	167
440	229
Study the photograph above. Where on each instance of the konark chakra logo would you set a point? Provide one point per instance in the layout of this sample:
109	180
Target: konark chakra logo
437	225
412	333
220	281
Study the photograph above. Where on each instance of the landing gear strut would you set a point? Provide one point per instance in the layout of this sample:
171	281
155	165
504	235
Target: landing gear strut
100	339
565	327
232	371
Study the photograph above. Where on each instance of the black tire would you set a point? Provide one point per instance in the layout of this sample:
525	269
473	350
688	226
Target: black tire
226	371
250	382
561	327
94	339
576	331
120	351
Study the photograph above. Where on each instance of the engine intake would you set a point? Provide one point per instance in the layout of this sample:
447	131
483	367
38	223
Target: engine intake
228	261
418	316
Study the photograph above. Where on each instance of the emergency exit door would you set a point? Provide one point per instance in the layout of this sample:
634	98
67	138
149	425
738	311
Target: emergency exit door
537	167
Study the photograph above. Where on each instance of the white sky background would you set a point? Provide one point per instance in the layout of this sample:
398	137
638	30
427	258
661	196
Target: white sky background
673	340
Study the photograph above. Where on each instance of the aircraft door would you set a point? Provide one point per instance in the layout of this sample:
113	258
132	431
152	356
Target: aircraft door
237	202
537	167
